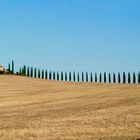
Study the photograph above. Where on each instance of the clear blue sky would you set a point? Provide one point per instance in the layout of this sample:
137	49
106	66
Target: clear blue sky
81	35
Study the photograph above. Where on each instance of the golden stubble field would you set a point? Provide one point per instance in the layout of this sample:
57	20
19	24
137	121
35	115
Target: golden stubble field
35	109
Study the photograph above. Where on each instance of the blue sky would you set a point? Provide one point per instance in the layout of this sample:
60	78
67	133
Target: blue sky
81	35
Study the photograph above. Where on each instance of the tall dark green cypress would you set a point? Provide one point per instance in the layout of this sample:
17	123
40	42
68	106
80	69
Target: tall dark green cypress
42	74
139	78
53	75
20	71
100	78
58	76
35	73
114	78
70	76
62	77
124	78
46	74
129	78
50	75
24	70
9	67
31	72
109	78
78	77
95	77
13	66
39	73
28	71
134	78
86	76
119	77
104	77
66	78
74	78
91	77
82	76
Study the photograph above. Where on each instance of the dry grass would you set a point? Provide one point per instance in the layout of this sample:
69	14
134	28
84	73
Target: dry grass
33	109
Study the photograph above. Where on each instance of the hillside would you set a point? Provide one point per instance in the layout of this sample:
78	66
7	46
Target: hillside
35	109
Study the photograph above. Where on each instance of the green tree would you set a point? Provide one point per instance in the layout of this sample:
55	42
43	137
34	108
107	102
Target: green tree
50	75
66	78
104	77
139	78
114	78
62	77
74	78
91	77
42	74
109	78
95	77
46	74
100	78
35	72
38	73
86	76
13	66
9	67
53	75
119	77
124	78
134	78
129	78
70	76
82	77
31	72
78	77
28	71
58	76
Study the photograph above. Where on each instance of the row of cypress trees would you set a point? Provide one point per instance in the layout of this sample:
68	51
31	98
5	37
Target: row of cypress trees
11	67
83	77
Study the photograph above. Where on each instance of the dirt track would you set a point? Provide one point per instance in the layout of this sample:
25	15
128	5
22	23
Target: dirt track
34	109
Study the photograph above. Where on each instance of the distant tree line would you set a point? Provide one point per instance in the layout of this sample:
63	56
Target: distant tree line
76	77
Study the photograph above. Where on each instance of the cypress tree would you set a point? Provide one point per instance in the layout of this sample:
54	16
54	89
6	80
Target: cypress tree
31	72
104	77
70	76
139	78
129	78
95	77
28	71
38	73
82	77
20	71
124	78
78	77
9	67
46	74
42	74
58	76
134	78
74	78
119	77
91	77
86	76
114	78
12	66
66	78
62	78
53	75
24	70
100	78
35	73
109	78
50	75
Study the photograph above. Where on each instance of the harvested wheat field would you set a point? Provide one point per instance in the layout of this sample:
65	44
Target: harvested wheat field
35	109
